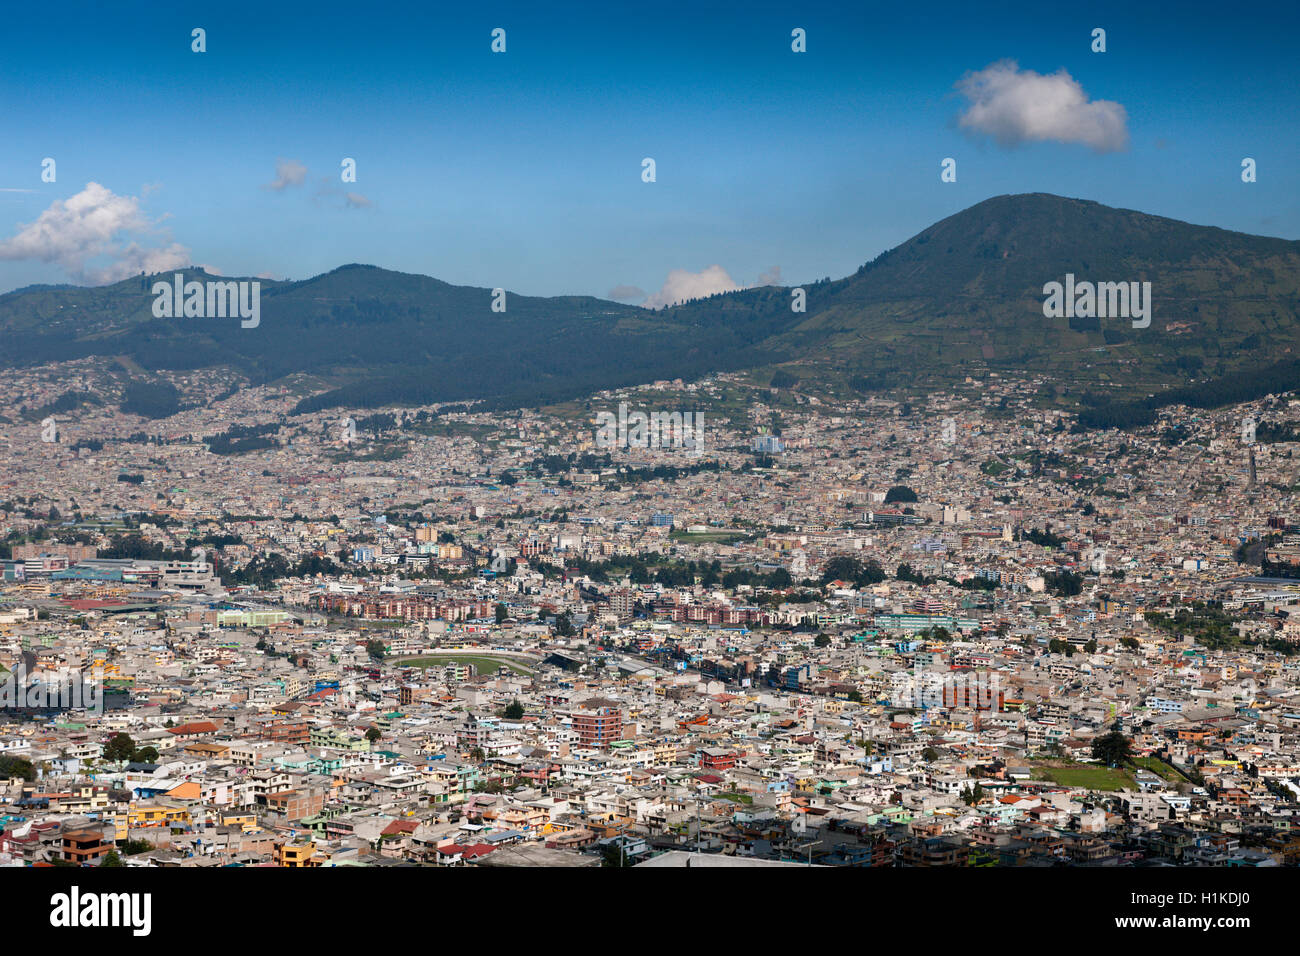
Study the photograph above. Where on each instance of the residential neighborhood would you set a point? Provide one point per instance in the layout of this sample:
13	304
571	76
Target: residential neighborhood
950	633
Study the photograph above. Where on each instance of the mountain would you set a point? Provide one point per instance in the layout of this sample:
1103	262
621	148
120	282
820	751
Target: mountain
963	296
386	336
968	293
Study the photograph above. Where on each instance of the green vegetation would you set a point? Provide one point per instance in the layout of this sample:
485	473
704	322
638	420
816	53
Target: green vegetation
122	747
737	798
1087	776
1114	772
916	315
151	399
265	569
1207	623
900	493
655	568
852	570
1159	768
1044	539
239	439
1268	433
1241	386
67	402
905	572
1113	749
11	766
1063	583
483	664
723	537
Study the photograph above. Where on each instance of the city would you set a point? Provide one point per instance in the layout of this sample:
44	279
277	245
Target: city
500	645
852	447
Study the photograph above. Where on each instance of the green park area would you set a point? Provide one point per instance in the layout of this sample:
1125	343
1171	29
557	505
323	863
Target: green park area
1089	776
1100	777
714	537
482	664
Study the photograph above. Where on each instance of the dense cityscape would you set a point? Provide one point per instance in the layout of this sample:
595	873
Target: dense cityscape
855	447
947	629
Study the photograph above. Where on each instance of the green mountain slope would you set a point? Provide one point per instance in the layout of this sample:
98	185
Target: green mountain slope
967	294
963	296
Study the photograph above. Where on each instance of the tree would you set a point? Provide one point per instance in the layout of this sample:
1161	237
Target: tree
111	859
900	493
1112	749
121	747
375	649
145	755
373	734
821	640
929	754
613	854
502	614
1065	584
844	568
514	710
11	766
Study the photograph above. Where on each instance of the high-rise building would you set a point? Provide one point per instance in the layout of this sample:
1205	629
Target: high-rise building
599	727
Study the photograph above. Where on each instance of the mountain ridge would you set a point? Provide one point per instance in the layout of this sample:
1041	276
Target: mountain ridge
962	296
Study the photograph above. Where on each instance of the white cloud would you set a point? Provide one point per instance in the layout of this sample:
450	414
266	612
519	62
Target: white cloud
135	259
93	224
329	192
683	284
1017	106
288	172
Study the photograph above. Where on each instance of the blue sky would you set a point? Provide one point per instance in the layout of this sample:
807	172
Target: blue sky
523	169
